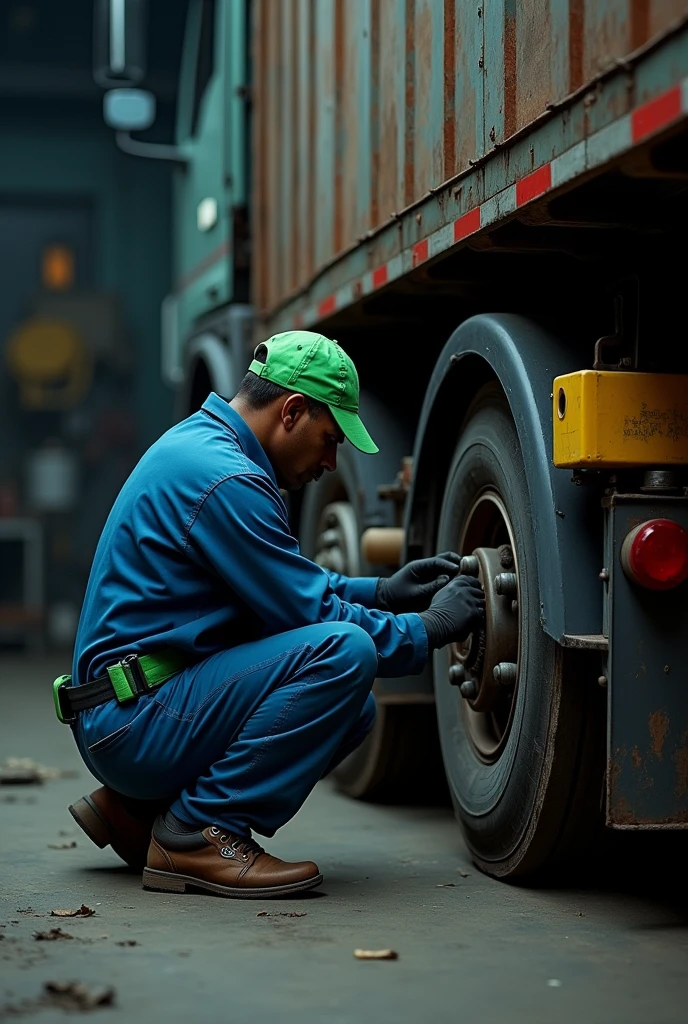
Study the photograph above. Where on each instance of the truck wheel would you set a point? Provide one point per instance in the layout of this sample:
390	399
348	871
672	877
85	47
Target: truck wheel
521	719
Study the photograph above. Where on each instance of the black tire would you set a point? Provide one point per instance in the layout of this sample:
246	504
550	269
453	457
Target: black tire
399	762
537	800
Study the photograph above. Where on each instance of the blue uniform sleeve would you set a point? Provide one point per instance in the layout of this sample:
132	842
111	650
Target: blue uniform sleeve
354	589
241	531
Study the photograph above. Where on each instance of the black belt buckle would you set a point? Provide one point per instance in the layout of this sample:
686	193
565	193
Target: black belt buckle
137	674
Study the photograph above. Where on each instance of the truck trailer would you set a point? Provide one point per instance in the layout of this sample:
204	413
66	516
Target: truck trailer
485	202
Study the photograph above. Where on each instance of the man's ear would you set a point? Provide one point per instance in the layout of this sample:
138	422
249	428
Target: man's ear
292	411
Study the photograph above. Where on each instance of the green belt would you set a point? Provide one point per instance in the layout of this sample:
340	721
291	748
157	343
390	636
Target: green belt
129	679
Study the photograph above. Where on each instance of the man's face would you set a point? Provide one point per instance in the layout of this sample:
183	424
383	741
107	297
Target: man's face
304	445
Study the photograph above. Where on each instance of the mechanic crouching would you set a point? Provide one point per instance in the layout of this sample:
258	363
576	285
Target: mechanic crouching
218	674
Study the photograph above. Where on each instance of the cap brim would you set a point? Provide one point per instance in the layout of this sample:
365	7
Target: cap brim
354	431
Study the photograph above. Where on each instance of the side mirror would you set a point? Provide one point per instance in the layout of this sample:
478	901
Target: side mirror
129	110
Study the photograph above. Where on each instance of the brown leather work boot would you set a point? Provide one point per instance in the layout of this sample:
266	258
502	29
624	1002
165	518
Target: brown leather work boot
223	864
107	819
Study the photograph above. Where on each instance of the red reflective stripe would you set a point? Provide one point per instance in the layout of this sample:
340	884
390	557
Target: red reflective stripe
467	225
420	252
327	306
534	185
380	276
656	114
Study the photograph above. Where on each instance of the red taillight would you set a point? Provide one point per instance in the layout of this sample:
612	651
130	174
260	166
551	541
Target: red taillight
655	554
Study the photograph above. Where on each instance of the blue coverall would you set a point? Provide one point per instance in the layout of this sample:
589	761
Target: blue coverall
197	555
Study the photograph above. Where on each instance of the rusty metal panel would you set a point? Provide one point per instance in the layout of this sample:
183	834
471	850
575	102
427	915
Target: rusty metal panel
647	779
363	108
426	59
607	33
322	211
355	101
534	51
468	100
391	107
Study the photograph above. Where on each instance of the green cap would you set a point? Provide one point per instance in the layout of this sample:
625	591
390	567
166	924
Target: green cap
316	366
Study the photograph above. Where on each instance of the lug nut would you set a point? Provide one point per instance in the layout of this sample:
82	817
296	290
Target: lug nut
470	566
506	584
468	689
506	673
457	674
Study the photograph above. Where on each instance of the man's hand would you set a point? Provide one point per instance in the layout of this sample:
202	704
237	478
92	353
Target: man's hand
412	588
456	612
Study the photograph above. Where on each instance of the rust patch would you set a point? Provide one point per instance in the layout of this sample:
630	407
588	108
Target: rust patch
509	68
374	110
576	37
449	88
338	122
637	759
640	22
410	98
658	723
681	759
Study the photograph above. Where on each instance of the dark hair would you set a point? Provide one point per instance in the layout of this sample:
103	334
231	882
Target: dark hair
258	393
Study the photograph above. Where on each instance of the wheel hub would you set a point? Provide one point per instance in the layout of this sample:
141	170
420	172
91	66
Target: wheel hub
488	658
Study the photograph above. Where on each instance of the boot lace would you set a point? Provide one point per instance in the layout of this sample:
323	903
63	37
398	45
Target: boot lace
242	845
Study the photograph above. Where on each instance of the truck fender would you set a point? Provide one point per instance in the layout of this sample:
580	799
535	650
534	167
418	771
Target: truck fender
525	359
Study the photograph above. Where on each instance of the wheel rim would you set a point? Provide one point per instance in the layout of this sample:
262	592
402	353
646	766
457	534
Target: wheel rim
490	664
337	545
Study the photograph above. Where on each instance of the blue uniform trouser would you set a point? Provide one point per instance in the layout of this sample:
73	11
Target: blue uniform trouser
240	739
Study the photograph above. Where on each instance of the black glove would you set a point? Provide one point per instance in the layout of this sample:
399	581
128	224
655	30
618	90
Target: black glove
455	612
412	588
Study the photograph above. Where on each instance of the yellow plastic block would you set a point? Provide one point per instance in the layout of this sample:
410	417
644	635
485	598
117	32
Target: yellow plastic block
609	419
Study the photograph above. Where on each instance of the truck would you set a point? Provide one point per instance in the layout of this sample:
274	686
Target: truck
484	202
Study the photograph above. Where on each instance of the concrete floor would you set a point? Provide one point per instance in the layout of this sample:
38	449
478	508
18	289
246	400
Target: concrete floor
470	949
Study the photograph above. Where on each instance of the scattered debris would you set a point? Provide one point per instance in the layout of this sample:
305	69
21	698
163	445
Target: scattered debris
127	942
446	885
29	911
376	954
22	771
12	799
83	911
554	983
464	874
62	846
281	913
74	995
52	935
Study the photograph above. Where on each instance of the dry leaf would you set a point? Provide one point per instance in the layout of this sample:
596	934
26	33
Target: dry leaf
62	846
52	935
83	911
376	954
447	885
464	874
74	995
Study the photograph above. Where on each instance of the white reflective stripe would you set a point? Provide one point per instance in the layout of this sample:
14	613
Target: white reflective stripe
569	164
395	267
609	142
441	240
498	206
